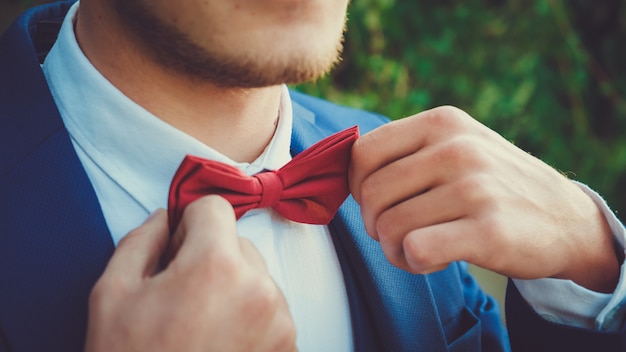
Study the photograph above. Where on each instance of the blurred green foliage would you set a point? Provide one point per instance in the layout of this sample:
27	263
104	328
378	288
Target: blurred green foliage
549	75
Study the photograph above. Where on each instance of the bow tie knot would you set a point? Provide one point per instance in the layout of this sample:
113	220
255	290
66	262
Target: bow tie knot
271	188
308	189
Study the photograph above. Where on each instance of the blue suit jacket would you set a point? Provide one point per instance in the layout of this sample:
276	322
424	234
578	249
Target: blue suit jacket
54	243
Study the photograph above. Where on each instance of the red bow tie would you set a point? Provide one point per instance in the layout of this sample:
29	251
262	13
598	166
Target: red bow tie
308	189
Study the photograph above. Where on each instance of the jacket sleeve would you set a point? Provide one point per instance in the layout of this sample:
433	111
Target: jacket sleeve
530	332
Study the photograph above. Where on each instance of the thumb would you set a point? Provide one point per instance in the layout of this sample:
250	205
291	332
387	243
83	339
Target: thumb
138	254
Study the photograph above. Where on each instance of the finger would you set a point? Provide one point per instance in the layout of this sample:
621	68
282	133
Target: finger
432	248
439	205
250	253
397	182
281	331
137	255
400	138
207	228
376	149
281	334
431	167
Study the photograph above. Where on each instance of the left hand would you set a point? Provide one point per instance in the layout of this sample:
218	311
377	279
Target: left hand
214	294
440	187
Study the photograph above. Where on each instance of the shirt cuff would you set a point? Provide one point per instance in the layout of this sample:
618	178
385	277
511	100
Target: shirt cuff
565	302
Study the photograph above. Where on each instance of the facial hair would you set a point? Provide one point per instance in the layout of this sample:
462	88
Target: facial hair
176	52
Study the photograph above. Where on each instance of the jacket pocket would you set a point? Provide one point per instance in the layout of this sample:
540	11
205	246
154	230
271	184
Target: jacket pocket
467	337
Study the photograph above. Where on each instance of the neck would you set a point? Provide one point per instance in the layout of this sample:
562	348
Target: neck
219	117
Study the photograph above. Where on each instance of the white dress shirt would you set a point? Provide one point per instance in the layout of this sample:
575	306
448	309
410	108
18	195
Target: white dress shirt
131	156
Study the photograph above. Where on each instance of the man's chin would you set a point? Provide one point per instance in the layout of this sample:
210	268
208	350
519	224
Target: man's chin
249	76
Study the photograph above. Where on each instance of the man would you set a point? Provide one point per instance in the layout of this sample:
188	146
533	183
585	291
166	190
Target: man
96	121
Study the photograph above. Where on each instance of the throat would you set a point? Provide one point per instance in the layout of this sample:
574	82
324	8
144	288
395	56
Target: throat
239	127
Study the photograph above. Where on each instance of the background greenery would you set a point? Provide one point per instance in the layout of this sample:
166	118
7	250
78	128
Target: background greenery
549	75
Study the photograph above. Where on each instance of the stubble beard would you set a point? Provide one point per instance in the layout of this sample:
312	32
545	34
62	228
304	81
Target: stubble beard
176	52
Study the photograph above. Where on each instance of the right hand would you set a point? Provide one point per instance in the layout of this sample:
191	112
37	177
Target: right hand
214	295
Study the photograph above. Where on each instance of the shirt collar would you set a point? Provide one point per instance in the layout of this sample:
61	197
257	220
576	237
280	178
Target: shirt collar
133	147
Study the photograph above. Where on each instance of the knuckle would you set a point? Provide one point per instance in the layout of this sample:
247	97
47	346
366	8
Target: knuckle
387	226
131	238
216	268
222	265
452	152
109	289
247	247
98	294
370	227
395	259
462	151
417	254
263	298
369	190
474	191
285	334
447	117
211	205
393	252
252	255
492	228
450	110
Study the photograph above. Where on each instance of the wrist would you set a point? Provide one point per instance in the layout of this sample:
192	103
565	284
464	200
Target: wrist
596	257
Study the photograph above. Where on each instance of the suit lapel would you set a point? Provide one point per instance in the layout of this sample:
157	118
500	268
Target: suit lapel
384	317
54	242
